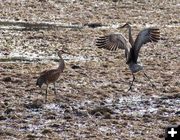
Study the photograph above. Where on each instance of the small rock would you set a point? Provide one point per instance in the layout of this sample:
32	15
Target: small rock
177	113
81	113
67	117
67	110
102	110
45	131
55	125
51	117
31	137
97	114
93	25
8	111
6	103
35	104
107	116
2	118
105	65
7	79
75	67
161	136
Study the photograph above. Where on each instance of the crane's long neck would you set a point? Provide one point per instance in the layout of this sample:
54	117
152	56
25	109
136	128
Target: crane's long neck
130	36
61	64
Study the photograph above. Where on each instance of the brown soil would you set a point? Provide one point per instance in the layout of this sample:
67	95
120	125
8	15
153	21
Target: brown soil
92	101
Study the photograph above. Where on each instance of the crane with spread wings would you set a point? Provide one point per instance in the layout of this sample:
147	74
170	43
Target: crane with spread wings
113	42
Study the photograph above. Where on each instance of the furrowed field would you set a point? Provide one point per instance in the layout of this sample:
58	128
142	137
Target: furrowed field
92	100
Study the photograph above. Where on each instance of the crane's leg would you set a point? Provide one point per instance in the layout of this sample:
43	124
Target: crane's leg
55	88
149	80
46	93
130	88
41	91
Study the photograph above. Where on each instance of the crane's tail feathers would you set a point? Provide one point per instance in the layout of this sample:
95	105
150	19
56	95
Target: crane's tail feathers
40	82
154	35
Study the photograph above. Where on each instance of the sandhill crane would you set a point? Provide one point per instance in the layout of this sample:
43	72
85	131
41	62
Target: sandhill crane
51	76
118	41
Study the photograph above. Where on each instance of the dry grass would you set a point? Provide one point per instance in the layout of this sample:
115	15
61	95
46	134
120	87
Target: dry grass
95	83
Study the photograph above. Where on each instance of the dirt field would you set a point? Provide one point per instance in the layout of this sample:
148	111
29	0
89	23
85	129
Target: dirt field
92	102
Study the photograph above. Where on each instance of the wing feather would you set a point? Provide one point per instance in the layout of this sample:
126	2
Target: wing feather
112	42
144	36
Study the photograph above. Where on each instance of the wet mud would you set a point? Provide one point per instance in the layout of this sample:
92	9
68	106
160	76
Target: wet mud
92	100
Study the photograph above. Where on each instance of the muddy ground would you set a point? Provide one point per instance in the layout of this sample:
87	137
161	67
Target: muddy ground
92	100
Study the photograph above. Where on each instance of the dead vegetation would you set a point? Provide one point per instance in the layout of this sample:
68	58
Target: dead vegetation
92	101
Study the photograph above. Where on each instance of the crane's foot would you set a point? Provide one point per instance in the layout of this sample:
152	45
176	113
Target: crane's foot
130	88
152	85
131	84
45	98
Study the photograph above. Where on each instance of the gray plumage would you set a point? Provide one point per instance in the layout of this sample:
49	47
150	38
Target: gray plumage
113	42
118	41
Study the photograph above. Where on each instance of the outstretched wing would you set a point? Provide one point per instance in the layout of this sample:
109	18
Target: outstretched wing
145	36
113	42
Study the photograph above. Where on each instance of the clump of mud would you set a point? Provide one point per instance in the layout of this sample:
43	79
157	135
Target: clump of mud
92	100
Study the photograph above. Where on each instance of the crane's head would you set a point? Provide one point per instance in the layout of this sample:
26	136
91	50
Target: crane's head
60	52
127	25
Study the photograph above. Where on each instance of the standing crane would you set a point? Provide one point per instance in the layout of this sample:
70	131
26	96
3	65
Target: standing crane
51	76
118	41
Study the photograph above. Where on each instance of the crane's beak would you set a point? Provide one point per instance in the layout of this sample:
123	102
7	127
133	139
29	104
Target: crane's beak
65	52
125	25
